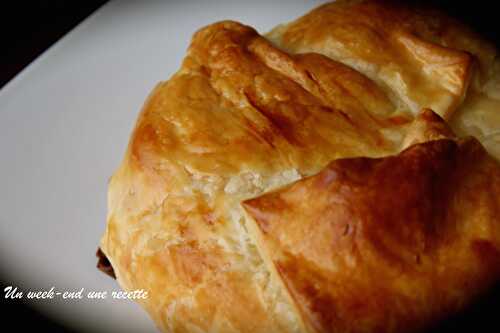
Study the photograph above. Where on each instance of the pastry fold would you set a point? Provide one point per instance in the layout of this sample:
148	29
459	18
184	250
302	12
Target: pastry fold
390	244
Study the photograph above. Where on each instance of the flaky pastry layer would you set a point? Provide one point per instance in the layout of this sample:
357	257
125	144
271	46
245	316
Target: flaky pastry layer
246	115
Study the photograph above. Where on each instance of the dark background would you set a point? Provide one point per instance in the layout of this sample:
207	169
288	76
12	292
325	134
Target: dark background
28	28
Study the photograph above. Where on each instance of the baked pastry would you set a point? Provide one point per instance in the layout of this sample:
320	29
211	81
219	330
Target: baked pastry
306	181
420	57
389	244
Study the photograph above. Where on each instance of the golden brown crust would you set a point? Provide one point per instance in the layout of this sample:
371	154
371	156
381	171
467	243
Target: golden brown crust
419	56
242	117
389	244
403	50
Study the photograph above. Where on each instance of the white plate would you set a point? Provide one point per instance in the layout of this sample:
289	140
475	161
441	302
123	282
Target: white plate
64	125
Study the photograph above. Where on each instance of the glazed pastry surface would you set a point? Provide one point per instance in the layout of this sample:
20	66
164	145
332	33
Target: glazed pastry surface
246	168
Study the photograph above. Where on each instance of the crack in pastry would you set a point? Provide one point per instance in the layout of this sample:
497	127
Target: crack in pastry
103	264
246	115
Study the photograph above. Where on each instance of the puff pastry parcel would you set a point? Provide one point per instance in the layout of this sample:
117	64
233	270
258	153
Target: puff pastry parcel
339	174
